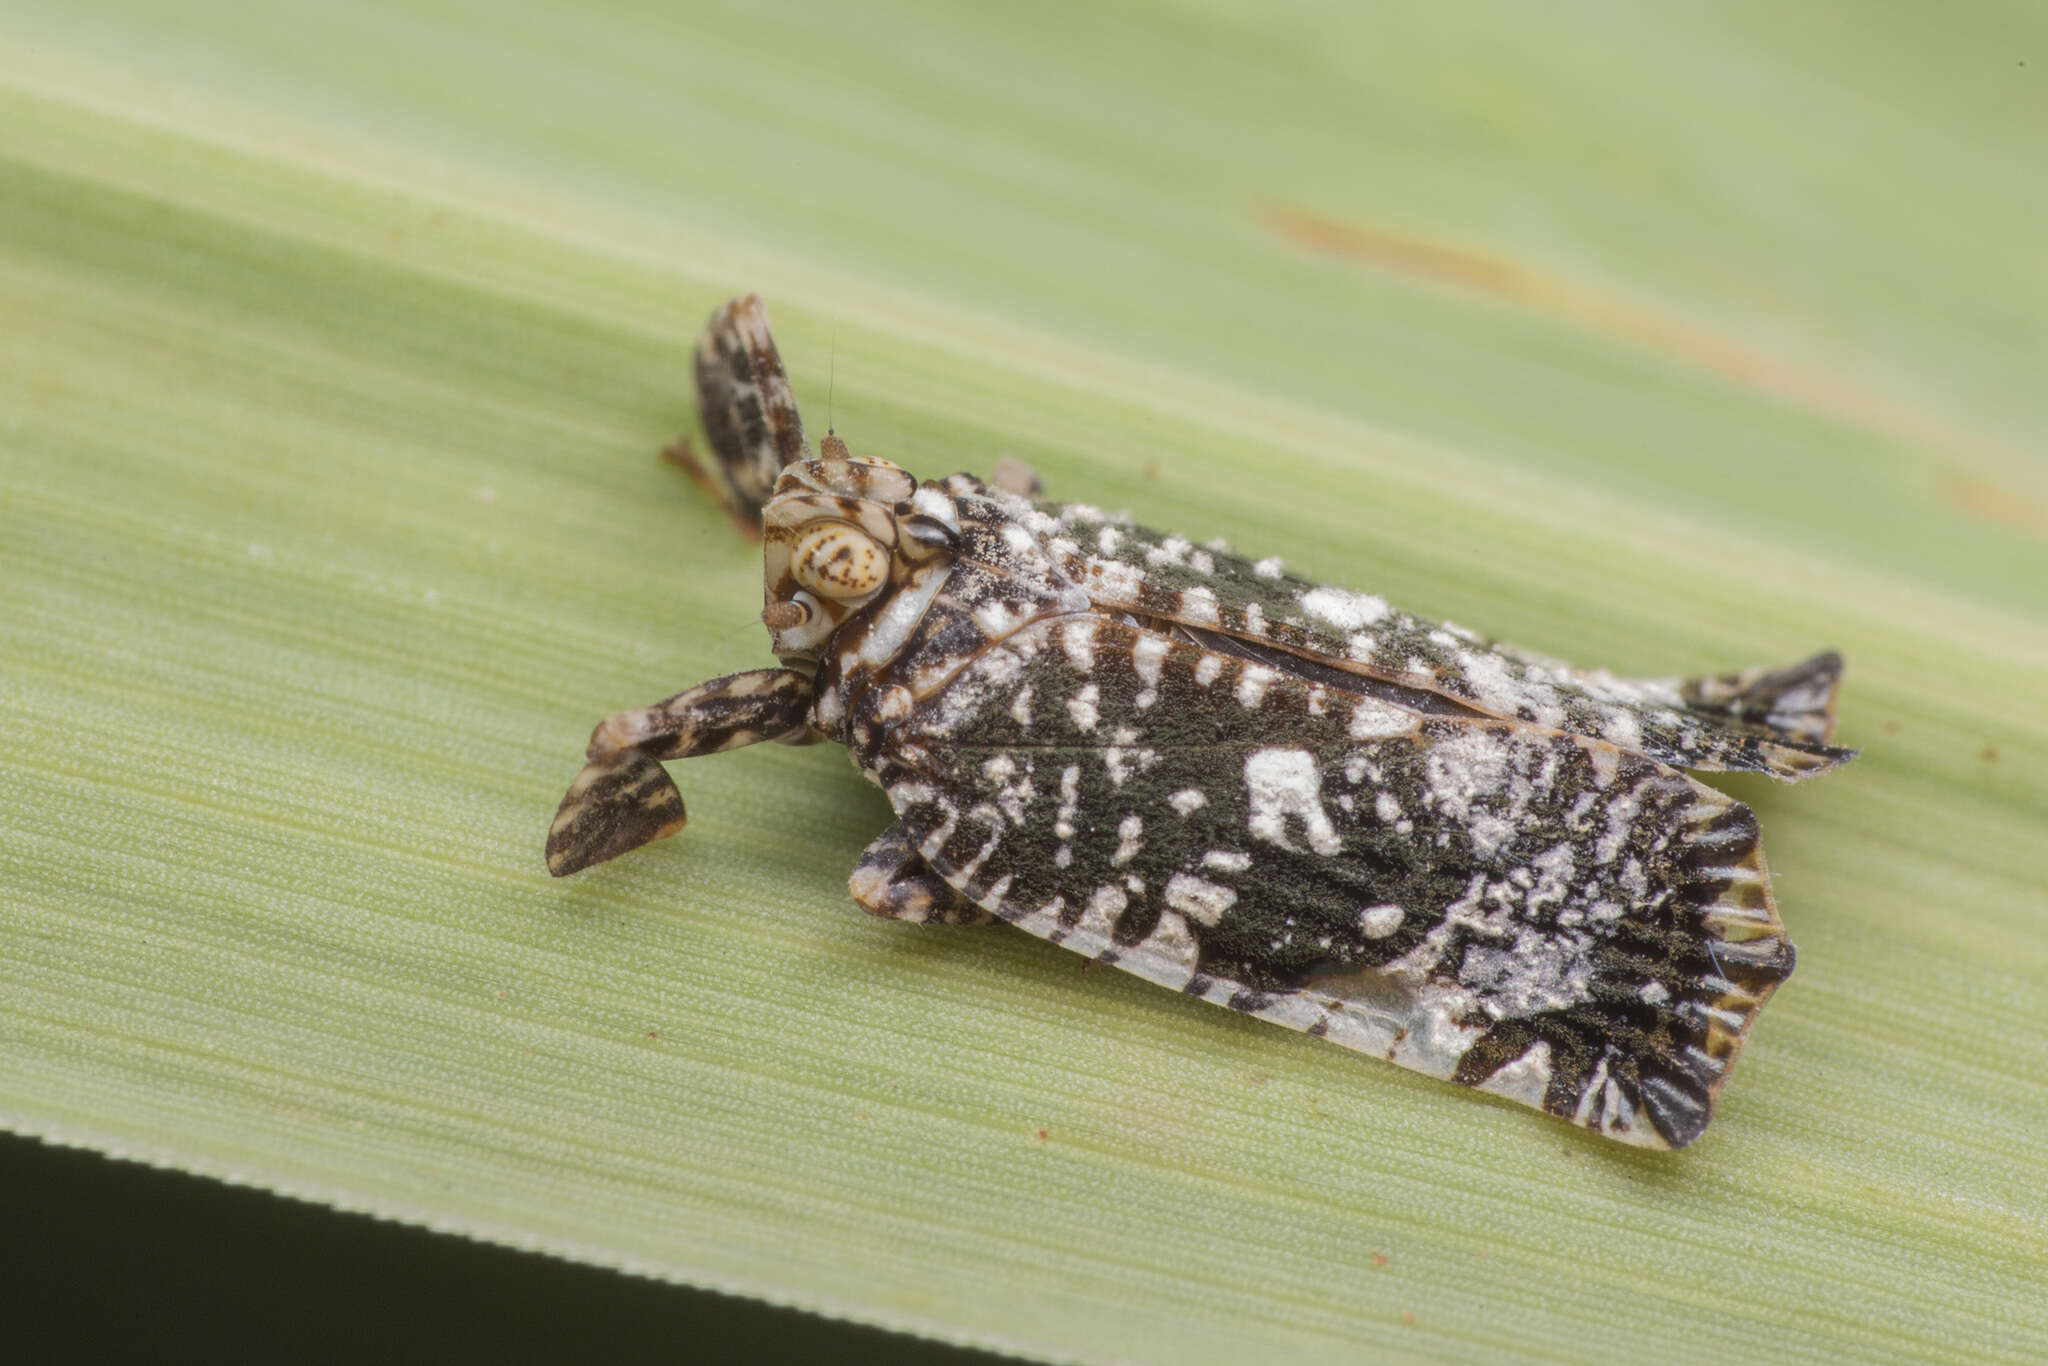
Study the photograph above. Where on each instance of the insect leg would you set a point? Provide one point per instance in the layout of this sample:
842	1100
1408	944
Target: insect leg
1014	476
1009	476
726	713
623	798
748	410
893	880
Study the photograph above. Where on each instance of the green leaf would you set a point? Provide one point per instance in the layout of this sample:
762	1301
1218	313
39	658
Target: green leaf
339	341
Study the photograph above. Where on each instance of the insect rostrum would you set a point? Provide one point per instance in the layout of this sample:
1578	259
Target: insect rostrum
1287	798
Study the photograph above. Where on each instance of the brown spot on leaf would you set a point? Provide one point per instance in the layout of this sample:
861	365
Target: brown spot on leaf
1379	1259
1472	271
1043	1136
1991	503
1990	754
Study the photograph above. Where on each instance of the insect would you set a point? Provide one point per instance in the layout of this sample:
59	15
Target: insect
1283	797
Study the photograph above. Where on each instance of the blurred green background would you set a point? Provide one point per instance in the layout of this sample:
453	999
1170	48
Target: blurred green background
336	345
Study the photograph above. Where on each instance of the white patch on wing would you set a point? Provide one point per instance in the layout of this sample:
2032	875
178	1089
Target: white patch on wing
1344	610
1013	789
1280	783
1114	579
1172	550
1496	690
1077	639
1226	861
894	703
1199	606
1168	955
1099	916
1269	568
1070	802
1187	801
1540	972
1466	776
1377	922
1082	707
999	619
1129	840
1147	653
1374	719
1252	682
1198	899
1621	815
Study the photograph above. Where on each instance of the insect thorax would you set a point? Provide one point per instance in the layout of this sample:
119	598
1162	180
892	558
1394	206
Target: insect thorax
887	589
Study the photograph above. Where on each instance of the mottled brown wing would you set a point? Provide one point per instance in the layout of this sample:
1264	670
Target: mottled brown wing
1537	914
1768	721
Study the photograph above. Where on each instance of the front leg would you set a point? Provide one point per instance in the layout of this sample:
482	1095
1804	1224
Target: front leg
623	798
748	409
893	880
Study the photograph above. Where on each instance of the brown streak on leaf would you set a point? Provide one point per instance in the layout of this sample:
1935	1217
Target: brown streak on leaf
1476	272
1994	504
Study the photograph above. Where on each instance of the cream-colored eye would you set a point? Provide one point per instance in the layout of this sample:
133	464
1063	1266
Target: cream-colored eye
839	561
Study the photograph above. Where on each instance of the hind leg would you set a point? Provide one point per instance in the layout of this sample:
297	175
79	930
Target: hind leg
893	880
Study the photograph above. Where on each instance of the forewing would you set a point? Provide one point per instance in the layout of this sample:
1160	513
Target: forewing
1770	722
1535	913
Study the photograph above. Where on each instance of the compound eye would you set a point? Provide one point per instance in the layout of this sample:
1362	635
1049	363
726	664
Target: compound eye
839	561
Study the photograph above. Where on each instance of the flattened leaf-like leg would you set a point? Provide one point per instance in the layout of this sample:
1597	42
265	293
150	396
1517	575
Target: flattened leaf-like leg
893	880
623	798
749	413
616	804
